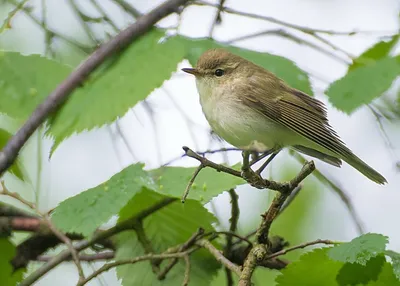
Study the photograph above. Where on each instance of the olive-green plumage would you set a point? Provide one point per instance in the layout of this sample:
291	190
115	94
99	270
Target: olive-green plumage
249	106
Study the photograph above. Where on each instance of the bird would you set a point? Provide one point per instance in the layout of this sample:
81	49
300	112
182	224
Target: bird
253	109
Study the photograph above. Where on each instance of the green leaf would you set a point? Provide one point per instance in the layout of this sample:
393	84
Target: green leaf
86	211
364	84
25	81
17	167
169	226
280	66
386	277
376	52
7	275
395	262
354	273
209	183
313	269
360	249
122	83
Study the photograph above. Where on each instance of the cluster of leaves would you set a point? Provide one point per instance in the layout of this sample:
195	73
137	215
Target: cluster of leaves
26	80
361	261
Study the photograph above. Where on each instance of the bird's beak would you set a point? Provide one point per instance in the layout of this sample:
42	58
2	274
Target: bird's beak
191	71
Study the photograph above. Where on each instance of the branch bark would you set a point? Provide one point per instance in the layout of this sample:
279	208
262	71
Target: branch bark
77	77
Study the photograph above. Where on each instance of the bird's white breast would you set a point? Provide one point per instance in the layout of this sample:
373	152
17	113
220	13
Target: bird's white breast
232	120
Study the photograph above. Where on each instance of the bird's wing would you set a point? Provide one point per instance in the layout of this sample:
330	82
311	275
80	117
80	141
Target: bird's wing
295	110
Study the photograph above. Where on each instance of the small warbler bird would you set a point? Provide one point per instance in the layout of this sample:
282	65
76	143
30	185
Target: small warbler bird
253	109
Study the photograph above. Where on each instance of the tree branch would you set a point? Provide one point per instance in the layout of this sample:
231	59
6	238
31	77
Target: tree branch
77	77
125	225
303	245
279	200
219	256
235	211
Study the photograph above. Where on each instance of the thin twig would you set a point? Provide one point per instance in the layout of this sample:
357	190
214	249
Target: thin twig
125	139
235	212
189	243
7	21
121	262
217	19
191	181
16	196
77	77
278	201
70	246
287	35
125	225
202	153
289	25
84	257
303	245
260	250
82	47
146	244
104	15
207	163
228	233
128	8
84	24
291	198
219	256
186	277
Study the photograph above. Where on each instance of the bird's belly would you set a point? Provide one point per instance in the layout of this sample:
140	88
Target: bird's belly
243	127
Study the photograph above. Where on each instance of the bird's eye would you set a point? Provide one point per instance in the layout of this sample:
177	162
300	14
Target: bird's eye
219	72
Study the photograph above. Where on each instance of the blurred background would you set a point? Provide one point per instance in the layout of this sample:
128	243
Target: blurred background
155	130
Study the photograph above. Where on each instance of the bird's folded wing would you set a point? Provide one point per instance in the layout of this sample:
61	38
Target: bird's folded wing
298	112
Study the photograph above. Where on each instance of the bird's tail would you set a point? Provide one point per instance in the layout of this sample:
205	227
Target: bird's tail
361	166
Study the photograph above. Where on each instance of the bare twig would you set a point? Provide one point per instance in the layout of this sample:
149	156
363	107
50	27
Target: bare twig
18	223
207	163
104	15
255	255
303	245
68	243
291	37
7	21
107	255
111	265
76	78
4	191
228	233
291	198
219	256
128	8
235	212
289	25
84	24
260	250
82	47
125	225
280	198
186	277
191	181
189	243
217	19
125	140
146	244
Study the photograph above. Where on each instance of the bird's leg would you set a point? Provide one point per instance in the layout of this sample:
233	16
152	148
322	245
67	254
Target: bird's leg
263	166
258	158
